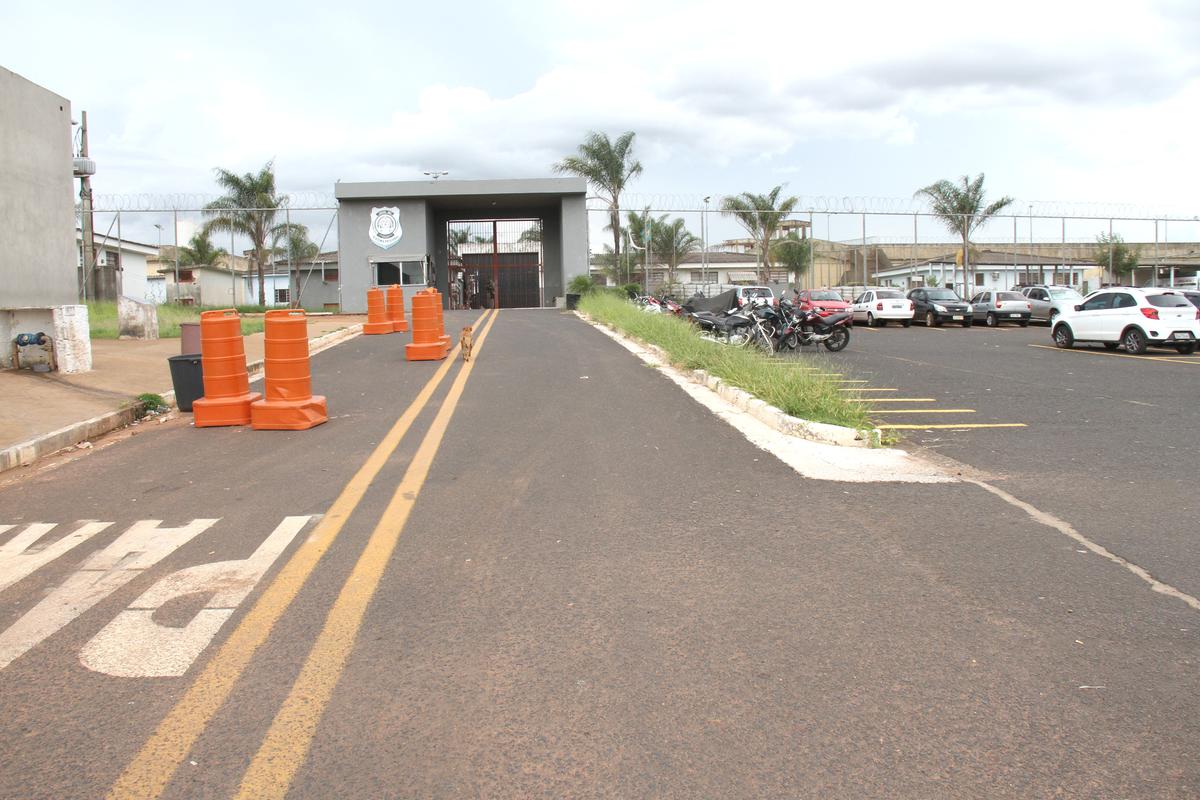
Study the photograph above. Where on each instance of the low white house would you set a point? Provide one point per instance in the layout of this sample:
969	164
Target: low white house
993	272
129	258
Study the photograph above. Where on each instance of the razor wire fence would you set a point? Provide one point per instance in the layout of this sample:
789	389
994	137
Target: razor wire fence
855	243
172	249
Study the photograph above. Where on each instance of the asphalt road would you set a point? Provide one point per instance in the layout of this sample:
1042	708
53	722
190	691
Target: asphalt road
1109	443
596	589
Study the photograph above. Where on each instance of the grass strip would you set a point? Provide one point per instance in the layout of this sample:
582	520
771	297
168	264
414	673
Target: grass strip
102	319
802	394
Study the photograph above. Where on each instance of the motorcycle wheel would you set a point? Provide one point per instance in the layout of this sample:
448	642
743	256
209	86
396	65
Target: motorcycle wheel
791	341
838	340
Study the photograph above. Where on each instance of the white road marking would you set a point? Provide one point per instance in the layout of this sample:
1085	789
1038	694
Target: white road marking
1059	525
133	645
20	557
139	548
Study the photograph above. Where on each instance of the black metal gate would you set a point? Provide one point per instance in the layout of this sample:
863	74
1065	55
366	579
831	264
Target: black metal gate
495	263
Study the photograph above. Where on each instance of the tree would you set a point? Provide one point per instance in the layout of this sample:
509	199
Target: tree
249	207
199	251
793	253
533	234
959	207
673	242
760	215
608	166
294	248
1114	256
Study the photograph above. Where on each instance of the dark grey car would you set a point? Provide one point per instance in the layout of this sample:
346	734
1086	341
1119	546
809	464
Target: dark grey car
936	306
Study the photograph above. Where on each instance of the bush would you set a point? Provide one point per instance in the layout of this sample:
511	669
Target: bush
631	290
581	285
796	392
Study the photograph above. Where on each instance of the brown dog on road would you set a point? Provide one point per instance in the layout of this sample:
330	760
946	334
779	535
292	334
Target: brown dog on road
466	341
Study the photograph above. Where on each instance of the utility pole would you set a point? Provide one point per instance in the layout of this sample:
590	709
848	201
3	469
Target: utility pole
86	222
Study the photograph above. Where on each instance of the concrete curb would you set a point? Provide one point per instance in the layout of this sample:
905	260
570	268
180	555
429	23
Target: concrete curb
25	453
765	413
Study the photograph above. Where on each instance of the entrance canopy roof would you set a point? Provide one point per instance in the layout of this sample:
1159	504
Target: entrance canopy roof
497	194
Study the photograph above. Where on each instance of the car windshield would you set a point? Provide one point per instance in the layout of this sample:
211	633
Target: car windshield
889	295
942	294
824	296
1168	300
758	293
1065	294
1009	296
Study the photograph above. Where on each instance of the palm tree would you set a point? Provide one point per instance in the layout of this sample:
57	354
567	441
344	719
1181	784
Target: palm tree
608	166
760	215
640	234
249	207
960	208
673	242
199	251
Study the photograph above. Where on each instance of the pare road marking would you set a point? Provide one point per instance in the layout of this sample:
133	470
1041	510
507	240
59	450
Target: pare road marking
136	550
135	646
21	555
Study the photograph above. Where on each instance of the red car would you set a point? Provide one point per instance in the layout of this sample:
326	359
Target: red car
823	301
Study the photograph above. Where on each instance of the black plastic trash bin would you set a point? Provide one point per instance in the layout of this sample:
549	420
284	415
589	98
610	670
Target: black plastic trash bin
572	302
187	378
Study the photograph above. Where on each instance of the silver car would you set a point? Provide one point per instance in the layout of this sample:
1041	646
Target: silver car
1049	301
996	307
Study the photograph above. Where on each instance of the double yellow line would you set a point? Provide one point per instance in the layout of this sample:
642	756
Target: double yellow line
290	735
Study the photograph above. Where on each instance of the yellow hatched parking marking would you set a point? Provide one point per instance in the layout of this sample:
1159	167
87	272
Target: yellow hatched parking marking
915	427
925	411
1166	359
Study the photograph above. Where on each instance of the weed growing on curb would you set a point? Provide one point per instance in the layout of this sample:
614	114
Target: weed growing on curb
796	392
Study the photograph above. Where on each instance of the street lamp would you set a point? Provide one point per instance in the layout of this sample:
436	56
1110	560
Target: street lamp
704	244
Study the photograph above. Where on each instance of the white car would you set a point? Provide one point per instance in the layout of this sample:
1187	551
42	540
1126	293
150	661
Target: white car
1133	318
880	306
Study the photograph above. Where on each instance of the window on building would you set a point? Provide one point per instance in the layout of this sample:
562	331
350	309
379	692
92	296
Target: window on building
185	276
979	278
281	296
329	275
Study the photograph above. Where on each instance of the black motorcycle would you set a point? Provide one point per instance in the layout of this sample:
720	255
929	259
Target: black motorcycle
809	327
738	328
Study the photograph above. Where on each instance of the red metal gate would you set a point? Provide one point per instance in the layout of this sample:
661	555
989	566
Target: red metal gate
495	263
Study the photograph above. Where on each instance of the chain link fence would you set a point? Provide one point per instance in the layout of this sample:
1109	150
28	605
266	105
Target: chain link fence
848	248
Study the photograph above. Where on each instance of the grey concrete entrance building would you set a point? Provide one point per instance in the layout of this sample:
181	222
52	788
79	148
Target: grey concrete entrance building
397	231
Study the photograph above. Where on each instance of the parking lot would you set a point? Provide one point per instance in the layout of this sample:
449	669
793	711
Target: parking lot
1103	439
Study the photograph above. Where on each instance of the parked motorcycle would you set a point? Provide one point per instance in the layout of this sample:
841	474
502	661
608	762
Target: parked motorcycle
809	327
739	328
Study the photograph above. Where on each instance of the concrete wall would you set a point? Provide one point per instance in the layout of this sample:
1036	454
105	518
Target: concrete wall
356	250
37	207
574	246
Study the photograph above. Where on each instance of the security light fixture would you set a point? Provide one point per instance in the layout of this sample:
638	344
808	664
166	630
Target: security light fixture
435	173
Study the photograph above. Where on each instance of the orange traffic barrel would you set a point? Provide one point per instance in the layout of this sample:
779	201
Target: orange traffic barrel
227	395
395	308
426	344
441	322
377	316
289	404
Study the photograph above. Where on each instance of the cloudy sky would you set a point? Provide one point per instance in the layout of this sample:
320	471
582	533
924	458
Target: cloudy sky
1071	105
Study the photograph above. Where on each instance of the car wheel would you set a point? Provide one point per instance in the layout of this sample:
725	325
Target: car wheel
930	319
1110	345
883	323
1186	349
1134	341
992	321
1063	338
870	320
905	323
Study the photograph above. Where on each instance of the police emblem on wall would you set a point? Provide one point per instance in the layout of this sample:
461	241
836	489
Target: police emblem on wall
385	226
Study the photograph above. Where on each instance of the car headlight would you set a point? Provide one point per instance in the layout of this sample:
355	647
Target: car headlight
939	309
